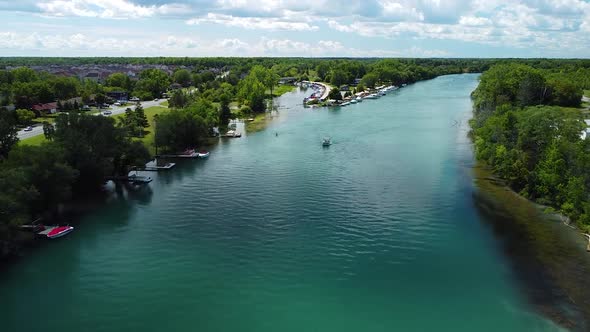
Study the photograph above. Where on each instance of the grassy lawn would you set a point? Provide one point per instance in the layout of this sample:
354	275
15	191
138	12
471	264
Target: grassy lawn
34	141
50	118
164	103
147	139
587	93
281	90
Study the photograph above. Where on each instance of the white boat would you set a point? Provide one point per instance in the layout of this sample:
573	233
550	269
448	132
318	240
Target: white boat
354	101
203	154
140	179
359	99
372	96
327	141
345	104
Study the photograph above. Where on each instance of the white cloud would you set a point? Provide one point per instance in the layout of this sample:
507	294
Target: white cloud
474	21
261	23
98	8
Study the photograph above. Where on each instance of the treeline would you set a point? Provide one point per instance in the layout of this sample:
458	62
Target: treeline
526	129
35	180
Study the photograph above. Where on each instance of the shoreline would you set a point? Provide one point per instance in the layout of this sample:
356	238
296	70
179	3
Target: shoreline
548	260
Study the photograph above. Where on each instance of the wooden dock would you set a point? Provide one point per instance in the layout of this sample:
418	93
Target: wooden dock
155	168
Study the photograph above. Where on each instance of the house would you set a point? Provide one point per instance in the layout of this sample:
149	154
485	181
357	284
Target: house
50	108
344	88
287	80
93	76
175	86
118	95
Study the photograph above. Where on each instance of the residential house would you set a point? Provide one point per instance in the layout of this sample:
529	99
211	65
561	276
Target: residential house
49	108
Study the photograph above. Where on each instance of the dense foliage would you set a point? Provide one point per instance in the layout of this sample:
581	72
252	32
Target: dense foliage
36	180
537	148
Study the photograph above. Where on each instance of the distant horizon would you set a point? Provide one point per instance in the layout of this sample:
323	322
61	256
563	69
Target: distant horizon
280	57
304	28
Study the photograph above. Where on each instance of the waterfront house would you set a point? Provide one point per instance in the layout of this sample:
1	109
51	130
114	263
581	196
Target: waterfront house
48	108
287	80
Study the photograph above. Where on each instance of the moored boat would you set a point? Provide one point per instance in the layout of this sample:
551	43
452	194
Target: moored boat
203	154
327	141
53	232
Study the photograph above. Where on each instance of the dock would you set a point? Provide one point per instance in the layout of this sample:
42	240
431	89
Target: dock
132	178
155	168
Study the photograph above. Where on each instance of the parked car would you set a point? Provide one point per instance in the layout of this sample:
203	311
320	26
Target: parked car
29	128
107	113
117	104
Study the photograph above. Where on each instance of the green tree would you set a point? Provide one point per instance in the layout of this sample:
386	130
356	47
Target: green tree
48	131
224	110
335	94
24	117
182	77
8	133
47	171
369	80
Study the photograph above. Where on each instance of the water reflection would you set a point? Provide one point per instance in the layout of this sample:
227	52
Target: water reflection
548	258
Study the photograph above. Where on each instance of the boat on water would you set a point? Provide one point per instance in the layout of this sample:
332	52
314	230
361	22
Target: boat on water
372	96
203	154
345	104
233	134
359	99
140	179
327	141
53	232
354	101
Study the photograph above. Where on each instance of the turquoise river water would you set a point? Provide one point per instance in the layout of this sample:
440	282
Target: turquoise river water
377	232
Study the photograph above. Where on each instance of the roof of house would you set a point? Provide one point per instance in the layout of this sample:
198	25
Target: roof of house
45	107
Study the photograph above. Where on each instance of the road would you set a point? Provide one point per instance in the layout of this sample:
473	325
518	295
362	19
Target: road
38	129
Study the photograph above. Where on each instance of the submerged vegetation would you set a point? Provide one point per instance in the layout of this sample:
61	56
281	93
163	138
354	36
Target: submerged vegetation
526	127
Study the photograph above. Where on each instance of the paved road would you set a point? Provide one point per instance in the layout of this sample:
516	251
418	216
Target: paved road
38	129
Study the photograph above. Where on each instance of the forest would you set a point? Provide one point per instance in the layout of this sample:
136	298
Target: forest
528	126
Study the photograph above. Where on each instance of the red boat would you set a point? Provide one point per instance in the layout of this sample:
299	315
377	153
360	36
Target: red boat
56	231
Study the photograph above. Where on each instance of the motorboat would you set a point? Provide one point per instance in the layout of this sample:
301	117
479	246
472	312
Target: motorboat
203	154
53	232
327	141
140	179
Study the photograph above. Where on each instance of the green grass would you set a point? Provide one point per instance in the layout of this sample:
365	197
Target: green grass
259	123
50	118
147	139
281	90
164	103
587	93
33	141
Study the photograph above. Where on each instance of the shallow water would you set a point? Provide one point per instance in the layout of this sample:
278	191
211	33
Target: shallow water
378	232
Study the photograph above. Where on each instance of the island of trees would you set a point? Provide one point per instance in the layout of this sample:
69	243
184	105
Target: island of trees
525	143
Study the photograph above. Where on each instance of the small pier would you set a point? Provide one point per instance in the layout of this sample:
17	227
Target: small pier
155	168
131	178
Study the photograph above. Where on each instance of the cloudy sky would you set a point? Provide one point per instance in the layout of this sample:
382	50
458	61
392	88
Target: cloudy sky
309	28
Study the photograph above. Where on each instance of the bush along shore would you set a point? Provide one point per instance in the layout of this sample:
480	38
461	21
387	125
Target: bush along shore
528	127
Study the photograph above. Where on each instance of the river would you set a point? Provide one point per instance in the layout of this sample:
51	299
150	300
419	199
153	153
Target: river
378	232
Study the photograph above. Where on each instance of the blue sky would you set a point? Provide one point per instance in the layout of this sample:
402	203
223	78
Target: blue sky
309	28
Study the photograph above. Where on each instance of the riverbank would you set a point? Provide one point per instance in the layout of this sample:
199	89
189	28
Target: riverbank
549	258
